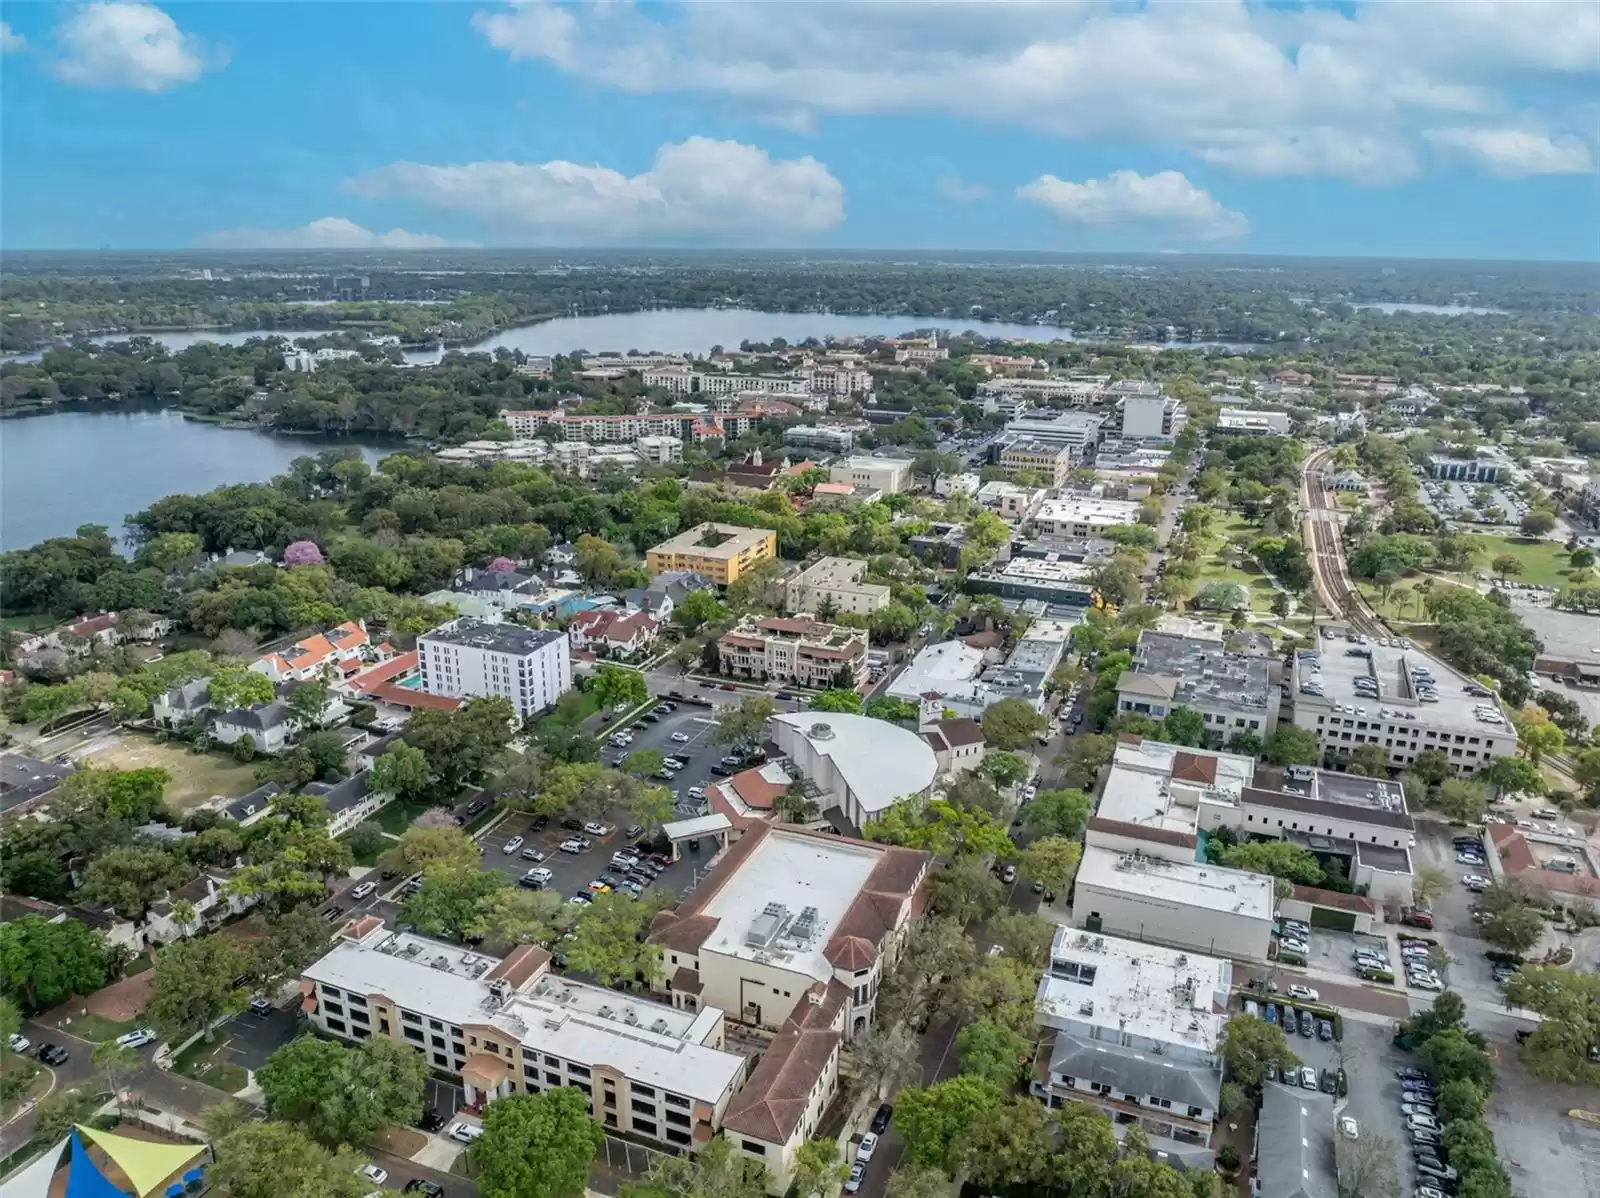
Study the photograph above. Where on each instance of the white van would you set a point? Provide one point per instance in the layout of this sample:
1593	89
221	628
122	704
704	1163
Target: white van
361	891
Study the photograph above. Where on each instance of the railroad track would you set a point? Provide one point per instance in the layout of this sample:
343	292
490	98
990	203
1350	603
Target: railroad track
1326	546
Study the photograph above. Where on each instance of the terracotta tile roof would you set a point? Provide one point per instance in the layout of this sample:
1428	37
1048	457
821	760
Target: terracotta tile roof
1517	859
314	650
385	671
1117	827
90	625
1335	899
521	965
851	952
1191	767
755	790
404	696
360	929
961	732
485	1069
876	909
721	804
772	1102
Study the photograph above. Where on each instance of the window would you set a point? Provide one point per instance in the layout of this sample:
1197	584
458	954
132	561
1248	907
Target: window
436	1041
331	991
675	1100
647	1091
553	1078
411	1034
678	1137
336	1025
332	1008
644	1108
1196	1112
408	1017
577	1070
442	1061
753	1148
362	1018
677	1118
436	1025
355	1000
550	1060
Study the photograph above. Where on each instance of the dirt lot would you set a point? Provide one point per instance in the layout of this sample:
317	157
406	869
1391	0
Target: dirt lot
195	776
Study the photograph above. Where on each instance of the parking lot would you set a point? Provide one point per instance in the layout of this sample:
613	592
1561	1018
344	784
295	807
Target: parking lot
1470	973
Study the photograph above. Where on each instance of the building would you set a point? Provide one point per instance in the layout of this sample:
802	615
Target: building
307	659
722	552
1078	431
1400	699
209	901
1083	516
532	667
1151	417
839	380
266	725
1172	901
613	633
889	475
499	589
660	450
836	583
858	764
511	1026
1464	470
1010	501
1352	481
803	651
1133	1031
666	590
1294	1144
1072	390
1052	463
1061	582
844	494
958	744
183	704
1233	692
687	426
1236	422
970	678
827	437
587	460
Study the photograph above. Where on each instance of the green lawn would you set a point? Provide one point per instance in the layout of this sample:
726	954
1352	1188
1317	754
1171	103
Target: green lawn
396	817
1544	563
196	777
26	623
208	1063
96	1028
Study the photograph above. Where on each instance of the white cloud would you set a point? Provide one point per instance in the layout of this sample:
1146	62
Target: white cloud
10	39
699	188
953	187
328	233
134	46
1165	202
1262	89
1516	153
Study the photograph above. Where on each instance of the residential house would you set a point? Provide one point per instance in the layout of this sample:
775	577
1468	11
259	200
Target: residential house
307	659
666	591
183	704
211	905
613	633
499	588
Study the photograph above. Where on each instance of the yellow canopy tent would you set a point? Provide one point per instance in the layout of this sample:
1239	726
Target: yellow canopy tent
145	1163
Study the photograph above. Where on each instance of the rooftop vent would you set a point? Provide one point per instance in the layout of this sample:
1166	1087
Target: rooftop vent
659	1027
820	732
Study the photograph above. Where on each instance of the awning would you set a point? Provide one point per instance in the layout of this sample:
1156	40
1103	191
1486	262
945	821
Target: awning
145	1163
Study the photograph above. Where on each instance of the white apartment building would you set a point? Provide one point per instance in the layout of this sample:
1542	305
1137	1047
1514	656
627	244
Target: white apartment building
831	438
532	667
1083	516
681	380
889	475
1151	417
801	650
839	380
1237	422
1405	701
1040	389
835	580
690	426
660	450
1134	1031
1011	501
511	1026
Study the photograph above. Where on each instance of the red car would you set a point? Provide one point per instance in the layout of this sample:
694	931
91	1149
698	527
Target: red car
728	686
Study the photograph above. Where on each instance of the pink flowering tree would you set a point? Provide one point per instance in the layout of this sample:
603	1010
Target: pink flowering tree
435	817
302	553
502	565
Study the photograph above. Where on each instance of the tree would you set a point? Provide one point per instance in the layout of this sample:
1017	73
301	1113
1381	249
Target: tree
1369	761
223	1117
1537	523
1249	1045
58	1112
1003	990
614	686
1022	937
536	1145
607	940
421	847
43	963
698	609
1183	726
1052	860
1505	564
1004	769
744	723
933	466
1512	928
1429	882
308	702
401	771
1280	858
641	763
1540	739
278	1160
936	1121
1365	1166
847	702
1063	813
192	985
966	891
1462	800
10	1019
795	804
888	1057
463	745
1012	724
449	897
1452	1055
818	1167
1432	766
235	686
994	1053
1293	745
716	1171
941	828
1569	1004
367	838
1082	758
342	1094
894	710
131	878
116	1063
511	915
1460	1099
917	1181
1512	775
937	952
597	560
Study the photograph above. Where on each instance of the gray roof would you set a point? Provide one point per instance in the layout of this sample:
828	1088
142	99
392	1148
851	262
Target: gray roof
190	696
26	778
1295	1144
258	798
260	718
1134	1072
340	795
498	638
505	580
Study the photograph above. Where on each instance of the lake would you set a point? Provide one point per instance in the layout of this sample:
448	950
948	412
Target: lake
68	468
677	330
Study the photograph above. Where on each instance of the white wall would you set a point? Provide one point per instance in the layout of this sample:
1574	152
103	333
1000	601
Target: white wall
1274	821
475	671
1142	917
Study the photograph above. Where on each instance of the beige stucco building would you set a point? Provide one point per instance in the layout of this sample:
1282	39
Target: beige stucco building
835	580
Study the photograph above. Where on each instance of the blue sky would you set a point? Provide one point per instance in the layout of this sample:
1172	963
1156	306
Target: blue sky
1401	129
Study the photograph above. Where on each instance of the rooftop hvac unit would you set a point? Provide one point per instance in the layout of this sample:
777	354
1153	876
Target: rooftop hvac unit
442	963
659	1027
631	1018
1183	958
1086	1008
607	1013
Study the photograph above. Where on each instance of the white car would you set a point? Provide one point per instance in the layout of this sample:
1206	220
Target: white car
1349	1128
465	1132
19	1043
853	1184
1308	1078
373	1174
1305	992
137	1038
574	846
869	1145
596	829
511	845
538	877
680	738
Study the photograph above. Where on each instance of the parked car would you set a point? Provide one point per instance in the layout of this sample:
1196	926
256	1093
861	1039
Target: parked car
880	1121
18	1043
421	1185
511	845
575	845
53	1054
858	1171
260	1006
1303	992
533	854
137	1038
1308	1078
431	1120
373	1173
869	1145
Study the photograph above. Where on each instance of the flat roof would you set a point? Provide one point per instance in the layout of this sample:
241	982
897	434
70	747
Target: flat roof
879	761
497	638
1089	510
1147	990
1391	668
1187	883
1205	671
736	540
1140	787
650	1041
762	909
700	825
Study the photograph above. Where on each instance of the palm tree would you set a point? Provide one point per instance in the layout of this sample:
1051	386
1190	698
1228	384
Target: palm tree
184	916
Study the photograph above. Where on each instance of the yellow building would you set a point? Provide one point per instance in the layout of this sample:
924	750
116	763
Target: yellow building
1052	463
722	552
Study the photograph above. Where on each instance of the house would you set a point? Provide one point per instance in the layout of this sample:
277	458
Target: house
182	704
105	628
206	896
1294	1144
499	588
267	725
612	633
348	802
254	806
307	659
958	744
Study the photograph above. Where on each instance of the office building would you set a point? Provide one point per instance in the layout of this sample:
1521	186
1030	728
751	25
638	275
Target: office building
796	930
889	475
512	1027
1236	422
1049	462
1078	431
1233	692
1062	582
1402	700
660	450
803	651
1151	417
968	679
1134	1031
826	437
532	667
1011	501
1464	470
836	583
1083	515
722	552
1039	389
858	764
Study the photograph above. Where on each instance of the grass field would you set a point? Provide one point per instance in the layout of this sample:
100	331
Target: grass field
1544	563
195	776
97	1028
207	1063
396	817
26	623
